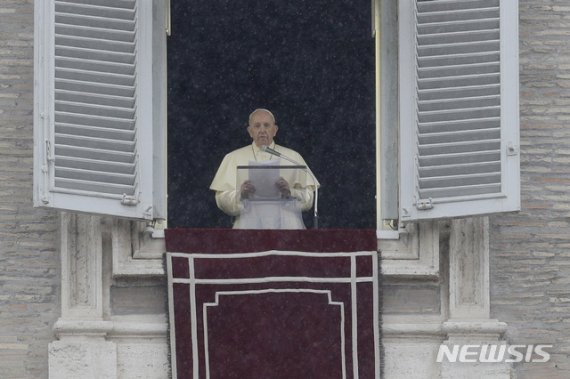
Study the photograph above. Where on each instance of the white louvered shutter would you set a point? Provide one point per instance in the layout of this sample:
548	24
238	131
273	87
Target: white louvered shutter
94	107
459	120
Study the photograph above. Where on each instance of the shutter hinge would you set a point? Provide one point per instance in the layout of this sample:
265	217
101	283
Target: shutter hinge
129	200
424	204
49	152
49	159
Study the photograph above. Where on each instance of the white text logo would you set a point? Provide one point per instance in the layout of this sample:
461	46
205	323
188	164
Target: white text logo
493	353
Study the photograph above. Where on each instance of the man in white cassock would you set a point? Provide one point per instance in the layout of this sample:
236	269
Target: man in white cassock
295	187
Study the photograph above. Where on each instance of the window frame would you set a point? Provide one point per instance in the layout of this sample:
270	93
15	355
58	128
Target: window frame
153	134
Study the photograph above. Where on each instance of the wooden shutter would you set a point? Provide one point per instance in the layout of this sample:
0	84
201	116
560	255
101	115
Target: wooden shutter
94	108
459	152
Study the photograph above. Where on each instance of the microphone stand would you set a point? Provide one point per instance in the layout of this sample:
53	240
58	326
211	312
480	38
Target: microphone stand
308	170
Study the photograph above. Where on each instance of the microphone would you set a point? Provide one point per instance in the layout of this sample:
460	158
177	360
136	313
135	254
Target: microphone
269	150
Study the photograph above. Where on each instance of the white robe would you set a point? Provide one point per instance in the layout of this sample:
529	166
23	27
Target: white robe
228	196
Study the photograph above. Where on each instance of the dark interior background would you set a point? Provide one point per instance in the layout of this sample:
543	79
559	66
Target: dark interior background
311	62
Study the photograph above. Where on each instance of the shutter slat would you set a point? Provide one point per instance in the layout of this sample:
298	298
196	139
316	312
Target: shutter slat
95	44
96	55
463	103
459	147
93	32
90	120
96	66
458	136
458	48
94	110
472	190
92	186
95	77
452	59
459	37
96	22
94	88
459	81
98	132
456	71
100	155
451	181
456	93
466	15
96	176
446	5
461	158
460	169
95	99
458	125
458	114
96	165
121	4
94	143
458	26
94	10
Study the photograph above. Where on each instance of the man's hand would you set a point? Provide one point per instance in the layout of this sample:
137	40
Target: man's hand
283	187
247	189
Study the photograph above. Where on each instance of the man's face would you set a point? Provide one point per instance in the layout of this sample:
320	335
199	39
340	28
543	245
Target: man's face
262	128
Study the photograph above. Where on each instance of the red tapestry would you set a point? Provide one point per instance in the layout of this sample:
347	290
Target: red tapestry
267	313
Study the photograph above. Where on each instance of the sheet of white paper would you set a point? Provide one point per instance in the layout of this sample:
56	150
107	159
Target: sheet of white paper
264	179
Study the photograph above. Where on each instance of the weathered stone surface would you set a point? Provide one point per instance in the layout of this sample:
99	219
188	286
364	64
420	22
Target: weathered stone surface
529	250
29	261
143	359
80	358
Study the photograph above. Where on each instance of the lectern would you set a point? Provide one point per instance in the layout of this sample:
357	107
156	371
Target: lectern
273	303
266	208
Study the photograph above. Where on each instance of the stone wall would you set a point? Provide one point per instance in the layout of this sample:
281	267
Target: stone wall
530	251
29	260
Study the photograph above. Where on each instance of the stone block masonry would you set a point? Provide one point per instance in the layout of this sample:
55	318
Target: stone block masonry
29	261
530	251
